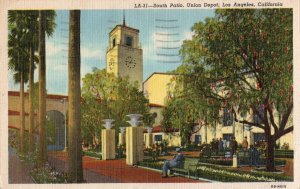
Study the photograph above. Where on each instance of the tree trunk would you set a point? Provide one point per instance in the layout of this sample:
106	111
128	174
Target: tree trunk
22	114
270	166
42	91
75	172
31	99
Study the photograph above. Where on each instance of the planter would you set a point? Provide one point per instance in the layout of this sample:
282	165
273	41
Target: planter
122	130
108	123
149	129
134	119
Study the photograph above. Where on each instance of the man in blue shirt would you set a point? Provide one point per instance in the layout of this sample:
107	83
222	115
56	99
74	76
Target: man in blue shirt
176	161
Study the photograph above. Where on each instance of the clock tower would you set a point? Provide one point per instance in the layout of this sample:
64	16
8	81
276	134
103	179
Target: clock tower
124	56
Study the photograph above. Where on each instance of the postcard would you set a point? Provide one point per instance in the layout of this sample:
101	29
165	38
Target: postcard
143	94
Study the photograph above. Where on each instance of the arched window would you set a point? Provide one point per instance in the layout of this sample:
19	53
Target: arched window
114	42
129	41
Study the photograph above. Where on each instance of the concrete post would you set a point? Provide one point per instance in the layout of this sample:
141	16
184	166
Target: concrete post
108	144
149	141
134	145
122	138
234	161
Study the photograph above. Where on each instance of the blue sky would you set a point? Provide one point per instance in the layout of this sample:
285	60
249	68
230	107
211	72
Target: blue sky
95	28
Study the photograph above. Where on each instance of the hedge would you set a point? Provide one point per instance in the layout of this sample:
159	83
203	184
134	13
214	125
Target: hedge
213	172
284	153
92	154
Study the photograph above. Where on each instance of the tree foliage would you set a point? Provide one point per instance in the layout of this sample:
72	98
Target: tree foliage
187	111
242	60
108	97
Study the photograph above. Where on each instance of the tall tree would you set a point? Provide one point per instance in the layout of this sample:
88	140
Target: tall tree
42	155
46	26
243	60
18	63
32	24
185	110
75	171
27	21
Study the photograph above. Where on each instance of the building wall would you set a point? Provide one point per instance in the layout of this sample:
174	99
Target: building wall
53	102
173	139
156	87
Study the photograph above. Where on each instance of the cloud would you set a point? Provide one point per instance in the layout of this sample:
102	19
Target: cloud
92	53
55	49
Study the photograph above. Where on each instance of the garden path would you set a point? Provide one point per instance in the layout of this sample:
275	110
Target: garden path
19	172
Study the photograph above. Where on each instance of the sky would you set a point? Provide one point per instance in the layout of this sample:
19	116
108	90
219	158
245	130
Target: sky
158	28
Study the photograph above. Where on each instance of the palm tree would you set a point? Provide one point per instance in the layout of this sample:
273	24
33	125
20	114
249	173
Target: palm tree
75	150
46	26
28	21
42	155
18	63
32	21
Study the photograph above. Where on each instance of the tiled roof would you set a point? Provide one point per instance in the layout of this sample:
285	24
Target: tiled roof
49	96
14	113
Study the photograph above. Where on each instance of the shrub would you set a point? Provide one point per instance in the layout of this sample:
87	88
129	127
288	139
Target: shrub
284	153
217	161
285	146
92	154
47	174
121	151
217	173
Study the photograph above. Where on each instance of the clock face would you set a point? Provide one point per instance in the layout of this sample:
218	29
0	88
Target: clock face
130	62
111	64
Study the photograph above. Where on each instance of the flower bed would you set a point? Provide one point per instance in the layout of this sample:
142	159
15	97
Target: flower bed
226	175
92	154
216	173
217	160
46	174
28	158
261	161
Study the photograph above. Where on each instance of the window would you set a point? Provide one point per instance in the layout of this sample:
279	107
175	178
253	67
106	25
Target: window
227	117
198	139
227	137
129	41
258	136
256	118
114	42
158	137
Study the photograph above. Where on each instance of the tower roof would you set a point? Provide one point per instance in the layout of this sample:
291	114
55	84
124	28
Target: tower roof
124	26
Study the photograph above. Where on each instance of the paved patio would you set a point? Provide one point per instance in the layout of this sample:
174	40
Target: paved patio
116	171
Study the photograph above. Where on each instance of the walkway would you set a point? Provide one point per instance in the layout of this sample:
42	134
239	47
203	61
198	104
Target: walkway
19	172
116	171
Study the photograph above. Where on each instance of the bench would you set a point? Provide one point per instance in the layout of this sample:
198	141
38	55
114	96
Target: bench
188	165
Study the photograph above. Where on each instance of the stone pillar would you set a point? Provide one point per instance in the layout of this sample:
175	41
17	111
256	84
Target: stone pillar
122	138
108	144
134	145
234	161
149	141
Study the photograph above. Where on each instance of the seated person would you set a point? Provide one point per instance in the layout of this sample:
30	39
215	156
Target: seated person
176	161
